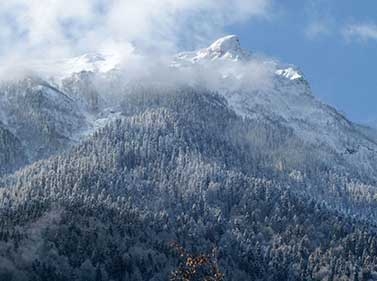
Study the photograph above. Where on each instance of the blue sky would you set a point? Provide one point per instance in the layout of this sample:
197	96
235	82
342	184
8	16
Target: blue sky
340	65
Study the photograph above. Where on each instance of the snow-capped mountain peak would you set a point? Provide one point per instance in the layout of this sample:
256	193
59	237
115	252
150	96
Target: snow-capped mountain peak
228	49
225	48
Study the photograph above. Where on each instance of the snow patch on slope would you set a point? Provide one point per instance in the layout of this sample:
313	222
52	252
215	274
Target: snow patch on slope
98	121
289	73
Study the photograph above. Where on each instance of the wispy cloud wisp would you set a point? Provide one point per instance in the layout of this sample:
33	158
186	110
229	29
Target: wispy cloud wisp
361	32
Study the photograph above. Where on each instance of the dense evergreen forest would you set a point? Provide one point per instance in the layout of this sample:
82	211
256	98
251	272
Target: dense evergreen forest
181	188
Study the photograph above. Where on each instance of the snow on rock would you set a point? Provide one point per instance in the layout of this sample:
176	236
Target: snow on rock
227	48
290	73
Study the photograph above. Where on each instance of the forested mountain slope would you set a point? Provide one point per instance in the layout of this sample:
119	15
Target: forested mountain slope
181	166
41	117
12	156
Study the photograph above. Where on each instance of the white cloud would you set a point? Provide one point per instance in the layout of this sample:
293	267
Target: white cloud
57	28
361	32
317	29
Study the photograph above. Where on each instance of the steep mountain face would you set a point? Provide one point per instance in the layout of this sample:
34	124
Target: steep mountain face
224	153
43	118
47	118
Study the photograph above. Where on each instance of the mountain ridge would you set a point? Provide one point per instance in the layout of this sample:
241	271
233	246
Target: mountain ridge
254	87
